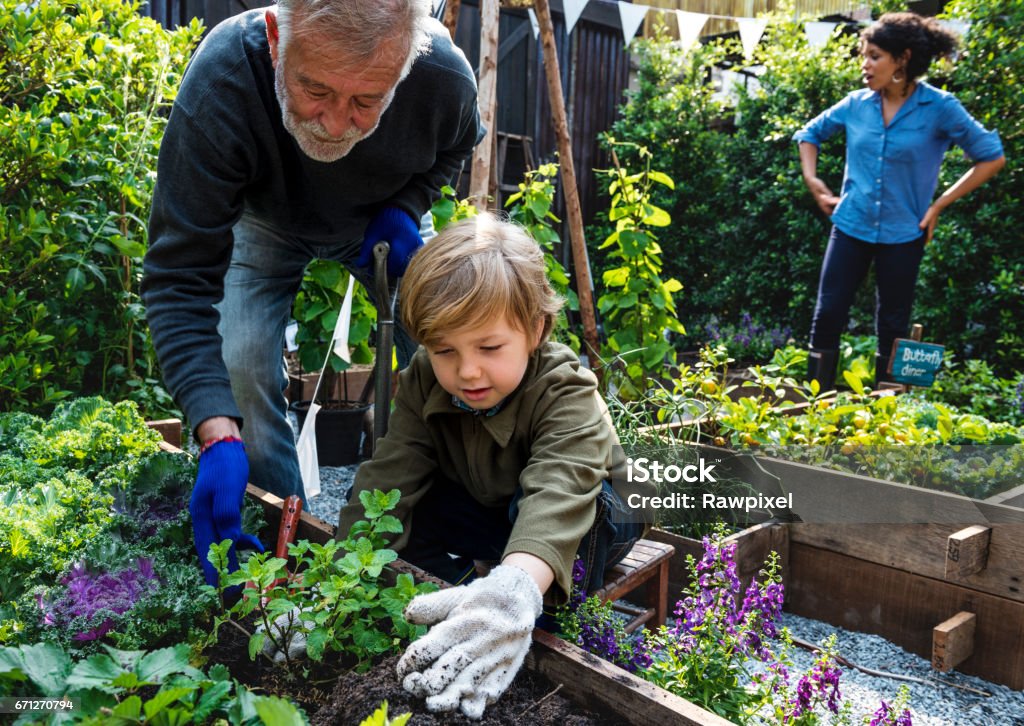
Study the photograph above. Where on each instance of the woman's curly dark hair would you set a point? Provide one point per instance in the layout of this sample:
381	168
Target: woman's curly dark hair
895	33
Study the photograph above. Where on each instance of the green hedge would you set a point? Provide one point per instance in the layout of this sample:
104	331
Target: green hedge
84	89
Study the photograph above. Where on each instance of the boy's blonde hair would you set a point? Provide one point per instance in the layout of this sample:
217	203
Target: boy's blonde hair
475	271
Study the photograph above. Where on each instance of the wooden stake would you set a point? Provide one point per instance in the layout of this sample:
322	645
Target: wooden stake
480	177
953	641
572	194
451	16
967	551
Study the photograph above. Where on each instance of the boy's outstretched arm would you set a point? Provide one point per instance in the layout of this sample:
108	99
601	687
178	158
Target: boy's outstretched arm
480	635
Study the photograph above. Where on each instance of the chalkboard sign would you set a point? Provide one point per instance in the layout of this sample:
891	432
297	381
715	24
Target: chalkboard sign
915	363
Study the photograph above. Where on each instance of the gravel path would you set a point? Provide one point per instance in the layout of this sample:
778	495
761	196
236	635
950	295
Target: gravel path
935	704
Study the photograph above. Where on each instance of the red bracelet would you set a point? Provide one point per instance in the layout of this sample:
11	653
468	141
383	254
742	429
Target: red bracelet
211	442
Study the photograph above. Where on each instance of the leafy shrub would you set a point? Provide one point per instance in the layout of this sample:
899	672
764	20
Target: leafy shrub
136	687
975	387
749	340
972	278
83	88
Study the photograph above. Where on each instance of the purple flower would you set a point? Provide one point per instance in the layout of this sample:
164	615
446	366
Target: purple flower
89	594
883	717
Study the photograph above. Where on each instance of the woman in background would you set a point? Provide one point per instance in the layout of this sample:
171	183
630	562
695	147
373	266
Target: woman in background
897	130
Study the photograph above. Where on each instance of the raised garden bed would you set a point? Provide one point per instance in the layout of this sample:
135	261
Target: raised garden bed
591	683
897	561
895	580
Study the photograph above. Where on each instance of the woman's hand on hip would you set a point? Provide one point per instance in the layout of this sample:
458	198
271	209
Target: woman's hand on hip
823	196
927	224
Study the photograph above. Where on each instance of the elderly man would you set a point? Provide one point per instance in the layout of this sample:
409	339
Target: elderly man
314	128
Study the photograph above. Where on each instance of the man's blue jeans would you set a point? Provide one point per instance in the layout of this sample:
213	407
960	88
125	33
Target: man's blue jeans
448	521
259	289
846	264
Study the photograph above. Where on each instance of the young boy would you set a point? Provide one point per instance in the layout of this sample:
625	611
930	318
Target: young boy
501	451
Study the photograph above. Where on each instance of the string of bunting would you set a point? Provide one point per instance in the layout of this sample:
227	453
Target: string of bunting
691	24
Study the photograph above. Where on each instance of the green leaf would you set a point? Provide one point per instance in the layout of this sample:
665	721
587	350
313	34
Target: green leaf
97	671
656	217
661	178
316	642
389	524
156	666
165	698
854	382
256	643
129	708
46	665
274	711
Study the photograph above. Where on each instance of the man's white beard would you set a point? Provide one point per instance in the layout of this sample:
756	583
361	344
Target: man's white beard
311	136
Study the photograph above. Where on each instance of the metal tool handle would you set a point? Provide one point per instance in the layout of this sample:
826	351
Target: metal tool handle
385	298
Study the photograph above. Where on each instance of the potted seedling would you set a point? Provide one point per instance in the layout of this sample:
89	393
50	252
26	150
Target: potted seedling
343	397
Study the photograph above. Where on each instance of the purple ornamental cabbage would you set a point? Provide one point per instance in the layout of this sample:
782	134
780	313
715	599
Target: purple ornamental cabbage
89	593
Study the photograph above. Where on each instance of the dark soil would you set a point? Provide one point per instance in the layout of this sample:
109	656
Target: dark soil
529	700
308	685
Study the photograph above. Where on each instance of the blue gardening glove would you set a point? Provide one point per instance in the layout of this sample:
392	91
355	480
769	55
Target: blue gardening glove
399	230
216	505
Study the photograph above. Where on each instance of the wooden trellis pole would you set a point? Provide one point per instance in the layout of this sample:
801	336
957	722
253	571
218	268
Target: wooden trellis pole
451	16
480	176
569	187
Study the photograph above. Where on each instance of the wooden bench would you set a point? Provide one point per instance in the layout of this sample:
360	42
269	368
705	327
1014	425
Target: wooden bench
646	564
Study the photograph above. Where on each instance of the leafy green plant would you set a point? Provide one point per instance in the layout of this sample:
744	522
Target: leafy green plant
449	208
131	687
380	718
973	386
87	496
316	309
531	208
337	603
84	92
638	306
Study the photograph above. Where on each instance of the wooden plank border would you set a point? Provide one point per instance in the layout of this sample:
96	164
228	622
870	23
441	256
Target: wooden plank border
921	549
904	608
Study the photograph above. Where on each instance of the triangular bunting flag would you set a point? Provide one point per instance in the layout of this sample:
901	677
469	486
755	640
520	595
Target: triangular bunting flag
632	16
534	23
960	27
751	30
572	9
690	25
818	33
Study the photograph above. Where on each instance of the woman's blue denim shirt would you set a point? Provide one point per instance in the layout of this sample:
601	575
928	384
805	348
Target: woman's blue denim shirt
891	172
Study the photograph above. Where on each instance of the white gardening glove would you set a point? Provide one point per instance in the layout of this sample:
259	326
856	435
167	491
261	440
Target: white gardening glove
287	628
480	637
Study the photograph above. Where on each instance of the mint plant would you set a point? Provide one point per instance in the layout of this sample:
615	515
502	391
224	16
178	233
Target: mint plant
335	602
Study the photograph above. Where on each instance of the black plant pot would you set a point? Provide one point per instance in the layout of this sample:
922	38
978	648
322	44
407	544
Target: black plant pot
339	430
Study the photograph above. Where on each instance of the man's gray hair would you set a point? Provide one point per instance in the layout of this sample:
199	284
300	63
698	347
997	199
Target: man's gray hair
359	28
